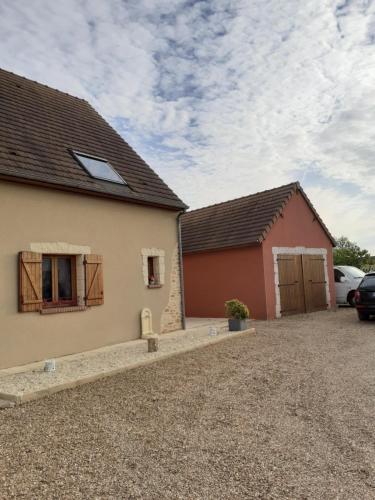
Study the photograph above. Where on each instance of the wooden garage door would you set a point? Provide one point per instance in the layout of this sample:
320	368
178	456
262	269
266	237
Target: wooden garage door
314	282
291	284
302	283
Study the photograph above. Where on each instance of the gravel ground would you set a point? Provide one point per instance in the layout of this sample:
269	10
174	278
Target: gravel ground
286	414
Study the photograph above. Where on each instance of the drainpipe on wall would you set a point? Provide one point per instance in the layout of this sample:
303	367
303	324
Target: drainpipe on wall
182	295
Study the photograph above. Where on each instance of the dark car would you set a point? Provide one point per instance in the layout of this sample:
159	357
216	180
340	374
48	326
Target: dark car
365	297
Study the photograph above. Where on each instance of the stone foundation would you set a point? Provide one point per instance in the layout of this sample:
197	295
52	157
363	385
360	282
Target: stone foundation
171	318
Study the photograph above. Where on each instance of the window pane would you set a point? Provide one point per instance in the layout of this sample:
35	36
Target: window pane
151	275
368	283
153	270
65	278
47	279
338	275
100	169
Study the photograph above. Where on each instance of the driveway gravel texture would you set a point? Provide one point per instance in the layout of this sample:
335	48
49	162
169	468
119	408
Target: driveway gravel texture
286	414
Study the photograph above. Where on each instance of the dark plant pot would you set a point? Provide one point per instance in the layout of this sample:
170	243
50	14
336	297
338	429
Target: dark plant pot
236	325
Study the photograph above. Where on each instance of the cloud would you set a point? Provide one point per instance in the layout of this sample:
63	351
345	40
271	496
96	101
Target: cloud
354	214
222	98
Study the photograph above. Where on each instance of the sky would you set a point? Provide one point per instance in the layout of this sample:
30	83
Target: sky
222	98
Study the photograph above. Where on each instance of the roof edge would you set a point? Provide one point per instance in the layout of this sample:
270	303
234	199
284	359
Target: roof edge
318	218
130	147
96	194
242	197
298	188
43	85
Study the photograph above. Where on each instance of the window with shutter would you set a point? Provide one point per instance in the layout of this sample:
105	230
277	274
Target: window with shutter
50	283
59	280
30	276
94	280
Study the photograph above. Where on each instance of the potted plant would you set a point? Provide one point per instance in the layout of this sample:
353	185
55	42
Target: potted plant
237	314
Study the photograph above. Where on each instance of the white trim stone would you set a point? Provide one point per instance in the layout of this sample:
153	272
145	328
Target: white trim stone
146	323
81	285
60	247
153	252
297	251
171	318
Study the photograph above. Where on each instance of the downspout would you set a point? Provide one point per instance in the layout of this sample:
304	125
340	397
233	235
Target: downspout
182	294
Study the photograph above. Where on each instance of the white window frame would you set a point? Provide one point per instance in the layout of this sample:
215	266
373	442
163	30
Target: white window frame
160	255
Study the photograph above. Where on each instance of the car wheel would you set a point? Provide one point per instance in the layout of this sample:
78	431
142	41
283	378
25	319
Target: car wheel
351	299
363	316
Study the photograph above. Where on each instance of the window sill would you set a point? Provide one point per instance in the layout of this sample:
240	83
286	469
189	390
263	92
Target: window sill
62	309
154	286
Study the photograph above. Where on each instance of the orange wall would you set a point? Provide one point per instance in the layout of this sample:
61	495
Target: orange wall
247	273
297	227
211	278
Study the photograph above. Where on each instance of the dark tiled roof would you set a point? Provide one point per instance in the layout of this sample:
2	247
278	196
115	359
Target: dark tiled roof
39	124
241	222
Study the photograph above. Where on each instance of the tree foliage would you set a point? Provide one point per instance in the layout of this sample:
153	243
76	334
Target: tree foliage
348	253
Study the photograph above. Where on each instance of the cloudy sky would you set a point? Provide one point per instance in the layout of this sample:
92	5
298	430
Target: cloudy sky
222	97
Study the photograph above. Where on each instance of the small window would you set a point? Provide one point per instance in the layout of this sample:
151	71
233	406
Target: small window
153	271
58	280
98	168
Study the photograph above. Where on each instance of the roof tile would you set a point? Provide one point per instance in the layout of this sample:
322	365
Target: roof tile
38	126
241	222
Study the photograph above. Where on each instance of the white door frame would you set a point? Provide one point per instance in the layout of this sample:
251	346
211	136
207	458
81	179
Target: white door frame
297	251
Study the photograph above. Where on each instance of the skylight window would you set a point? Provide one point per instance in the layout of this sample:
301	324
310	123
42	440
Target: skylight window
98	168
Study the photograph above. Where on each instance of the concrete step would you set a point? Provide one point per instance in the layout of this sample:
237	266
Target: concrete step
32	382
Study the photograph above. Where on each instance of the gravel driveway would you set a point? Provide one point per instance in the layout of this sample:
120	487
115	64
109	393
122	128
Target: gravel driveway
287	414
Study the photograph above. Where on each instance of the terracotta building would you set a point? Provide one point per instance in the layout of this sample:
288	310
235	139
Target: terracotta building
89	233
271	250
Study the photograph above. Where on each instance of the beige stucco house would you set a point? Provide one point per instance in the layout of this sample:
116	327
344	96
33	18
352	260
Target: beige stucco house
89	233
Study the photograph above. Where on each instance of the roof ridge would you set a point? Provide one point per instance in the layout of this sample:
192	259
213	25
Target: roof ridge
39	84
295	183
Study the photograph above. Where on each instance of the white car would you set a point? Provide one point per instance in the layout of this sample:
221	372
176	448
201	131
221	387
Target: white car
347	279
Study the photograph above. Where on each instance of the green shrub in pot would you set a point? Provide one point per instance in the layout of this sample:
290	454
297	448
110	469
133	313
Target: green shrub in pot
237	314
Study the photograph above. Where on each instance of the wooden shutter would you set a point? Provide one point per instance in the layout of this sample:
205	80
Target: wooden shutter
30	281
314	282
291	284
94	280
